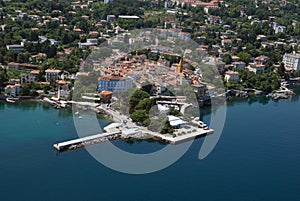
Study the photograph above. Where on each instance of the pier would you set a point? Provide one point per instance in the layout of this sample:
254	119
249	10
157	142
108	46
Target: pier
73	144
135	133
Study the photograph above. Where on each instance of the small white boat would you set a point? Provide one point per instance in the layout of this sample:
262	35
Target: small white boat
80	117
11	99
77	113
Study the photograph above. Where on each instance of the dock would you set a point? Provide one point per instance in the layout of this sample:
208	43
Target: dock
136	133
72	144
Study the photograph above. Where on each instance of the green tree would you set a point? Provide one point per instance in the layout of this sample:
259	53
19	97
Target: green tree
136	97
139	116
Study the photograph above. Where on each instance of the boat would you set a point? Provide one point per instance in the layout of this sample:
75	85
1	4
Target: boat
76	113
11	99
80	117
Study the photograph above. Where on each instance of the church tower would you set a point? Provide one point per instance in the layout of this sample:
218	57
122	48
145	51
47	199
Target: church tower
179	68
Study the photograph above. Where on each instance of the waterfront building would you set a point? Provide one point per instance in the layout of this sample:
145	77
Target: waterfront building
175	121
292	61
13	90
114	83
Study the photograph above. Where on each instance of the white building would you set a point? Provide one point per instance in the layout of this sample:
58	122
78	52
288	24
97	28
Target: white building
107	1
16	48
89	42
292	61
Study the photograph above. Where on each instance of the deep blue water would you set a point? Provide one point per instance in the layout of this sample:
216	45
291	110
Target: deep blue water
256	159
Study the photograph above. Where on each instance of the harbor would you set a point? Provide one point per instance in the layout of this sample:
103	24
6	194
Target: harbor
125	129
132	133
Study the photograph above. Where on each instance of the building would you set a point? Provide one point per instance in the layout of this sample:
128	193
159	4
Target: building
226	43
19	66
114	83
238	65
107	1
232	76
52	75
30	77
63	91
106	95
13	90
280	29
110	18
89	42
201	91
175	121
256	68
292	61
16	48
261	37
262	60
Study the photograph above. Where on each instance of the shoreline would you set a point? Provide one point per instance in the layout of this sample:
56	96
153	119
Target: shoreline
93	107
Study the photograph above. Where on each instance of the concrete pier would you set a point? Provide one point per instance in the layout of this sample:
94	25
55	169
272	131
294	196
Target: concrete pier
81	141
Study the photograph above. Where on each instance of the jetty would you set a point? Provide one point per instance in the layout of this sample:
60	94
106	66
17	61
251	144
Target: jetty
131	133
73	144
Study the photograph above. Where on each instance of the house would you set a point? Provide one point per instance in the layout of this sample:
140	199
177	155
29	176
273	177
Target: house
106	95
231	76
54	42
110	18
108	1
30	77
63	89
137	40
13	90
22	16
16	48
261	37
256	68
262	60
239	65
89	42
292	61
184	35
215	20
226	43
280	29
19	66
114	83
52	75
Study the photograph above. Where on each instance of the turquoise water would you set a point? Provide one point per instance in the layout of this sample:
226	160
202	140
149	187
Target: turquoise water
256	159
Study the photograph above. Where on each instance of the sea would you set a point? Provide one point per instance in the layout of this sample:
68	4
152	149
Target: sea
257	158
